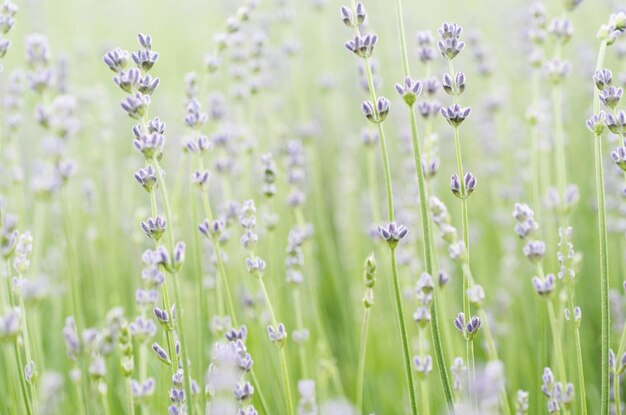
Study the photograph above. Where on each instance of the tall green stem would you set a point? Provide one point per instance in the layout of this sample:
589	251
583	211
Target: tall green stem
360	377
604	254
390	215
177	296
426	224
282	356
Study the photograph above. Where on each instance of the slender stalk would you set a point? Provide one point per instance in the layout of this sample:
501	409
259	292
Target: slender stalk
426	223
397	294
372	183
360	374
424	382
616	398
604	254
169	336
23	387
177	296
130	402
282	356
561	169
222	281
579	358
300	325
403	331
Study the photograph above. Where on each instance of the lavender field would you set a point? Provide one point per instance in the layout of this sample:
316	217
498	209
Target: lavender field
312	207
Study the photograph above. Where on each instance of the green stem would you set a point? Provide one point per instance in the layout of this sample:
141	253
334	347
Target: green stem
23	387
131	404
360	377
579	358
561	169
424	381
373	188
556	338
164	291
283	358
300	325
429	261
616	398
403	331
177	297
604	255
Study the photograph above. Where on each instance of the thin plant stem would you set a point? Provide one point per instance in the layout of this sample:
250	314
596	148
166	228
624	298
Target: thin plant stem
390	215
426	222
23	387
177	297
131	403
603	244
360	377
423	381
579	357
222	281
282	356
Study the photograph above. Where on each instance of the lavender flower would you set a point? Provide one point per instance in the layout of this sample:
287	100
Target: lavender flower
136	105
455	114
392	233
454	86
147	178
450	45
597	123
128	81
150	145
603	78
423	365
349	20
470	329
256	266
154	227
611	96
535	250
617	123
116	59
161	354
544	287
376	114
362	45
277	335
619	157
409	90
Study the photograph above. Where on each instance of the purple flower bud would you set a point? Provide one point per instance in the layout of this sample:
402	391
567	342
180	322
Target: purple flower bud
363	45
409	90
154	227
116	59
392	233
455	114
136	105
603	78
161	353
611	96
